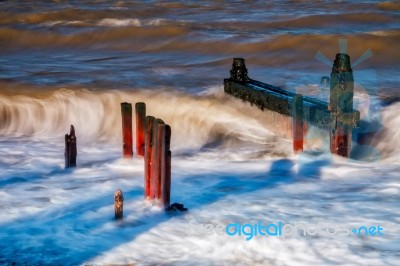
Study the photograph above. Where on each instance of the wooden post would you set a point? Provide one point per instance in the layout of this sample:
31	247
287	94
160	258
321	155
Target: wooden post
126	110
239	70
341	103
161	129
166	166
140	109
297	114
341	141
155	160
118	204
148	130
70	149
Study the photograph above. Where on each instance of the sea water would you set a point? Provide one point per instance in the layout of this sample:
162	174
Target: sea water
64	63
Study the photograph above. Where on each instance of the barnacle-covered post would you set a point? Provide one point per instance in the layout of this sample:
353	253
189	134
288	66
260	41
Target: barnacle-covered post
341	105
140	109
118	204
70	148
127	141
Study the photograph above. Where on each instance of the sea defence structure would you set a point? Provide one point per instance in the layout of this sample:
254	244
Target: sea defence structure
337	116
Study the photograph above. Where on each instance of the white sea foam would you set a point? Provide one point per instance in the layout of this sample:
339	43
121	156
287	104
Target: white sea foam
119	22
210	118
96	116
51	215
70	212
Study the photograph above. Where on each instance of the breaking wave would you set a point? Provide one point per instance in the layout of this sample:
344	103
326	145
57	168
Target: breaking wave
197	121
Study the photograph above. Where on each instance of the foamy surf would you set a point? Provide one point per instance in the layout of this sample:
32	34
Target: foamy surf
66	216
207	120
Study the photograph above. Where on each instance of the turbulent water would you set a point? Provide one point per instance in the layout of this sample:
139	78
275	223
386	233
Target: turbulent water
74	62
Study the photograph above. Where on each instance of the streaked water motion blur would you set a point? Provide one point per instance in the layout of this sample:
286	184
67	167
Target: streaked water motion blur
73	62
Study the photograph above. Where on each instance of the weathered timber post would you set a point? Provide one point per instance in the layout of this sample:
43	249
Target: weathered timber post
297	114
148	137
239	70
341	104
155	159
70	149
118	204
126	111
140	109
165	165
160	141
158	172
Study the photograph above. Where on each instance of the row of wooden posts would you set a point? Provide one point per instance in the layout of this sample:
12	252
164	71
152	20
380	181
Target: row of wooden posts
153	138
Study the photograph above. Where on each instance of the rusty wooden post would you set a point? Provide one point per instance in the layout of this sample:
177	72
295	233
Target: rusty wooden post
155	159
118	204
126	110
70	149
148	130
341	141
341	104
161	130
166	166
140	109
297	123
